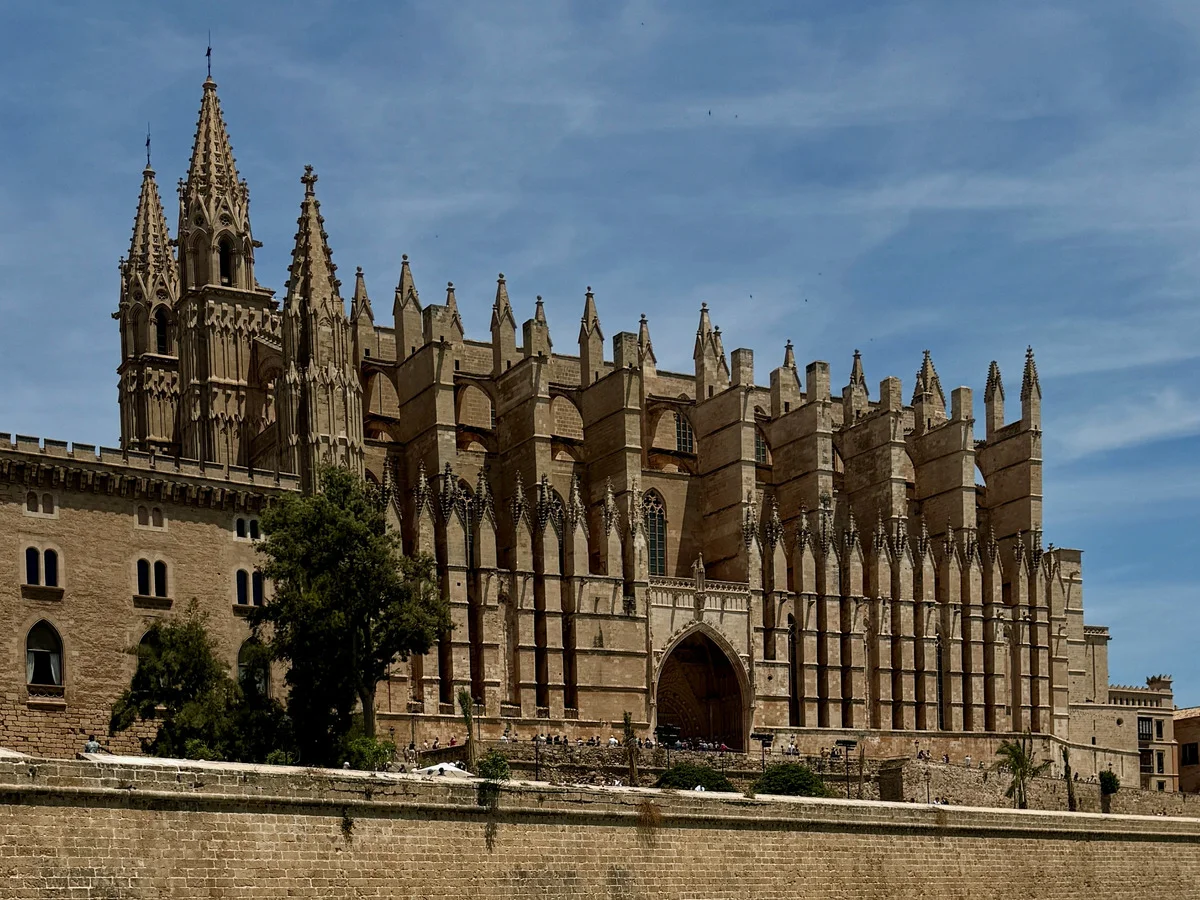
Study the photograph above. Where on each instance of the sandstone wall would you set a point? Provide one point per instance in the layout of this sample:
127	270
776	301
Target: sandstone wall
129	829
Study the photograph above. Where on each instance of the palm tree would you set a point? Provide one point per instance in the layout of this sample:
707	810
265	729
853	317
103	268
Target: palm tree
1019	759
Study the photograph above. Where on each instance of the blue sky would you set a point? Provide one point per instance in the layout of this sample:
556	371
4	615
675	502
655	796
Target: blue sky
966	177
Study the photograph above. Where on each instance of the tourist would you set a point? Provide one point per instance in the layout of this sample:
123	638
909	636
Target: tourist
91	745
968	760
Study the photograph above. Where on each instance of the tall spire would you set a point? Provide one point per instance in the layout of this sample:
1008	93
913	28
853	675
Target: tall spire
360	304
213	167
928	382
320	398
590	321
857	377
216	245
704	332
504	329
993	400
150	260
995	385
1030	386
1031	393
502	308
312	282
645	345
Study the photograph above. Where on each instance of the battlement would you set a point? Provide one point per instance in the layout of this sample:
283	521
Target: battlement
48	450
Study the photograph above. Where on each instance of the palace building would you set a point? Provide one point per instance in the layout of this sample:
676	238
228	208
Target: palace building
705	549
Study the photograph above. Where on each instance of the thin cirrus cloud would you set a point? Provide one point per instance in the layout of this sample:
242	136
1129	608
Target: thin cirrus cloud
889	177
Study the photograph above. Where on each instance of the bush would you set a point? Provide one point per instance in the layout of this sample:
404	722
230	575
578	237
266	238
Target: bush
791	780
280	758
687	776
370	754
493	766
1109	783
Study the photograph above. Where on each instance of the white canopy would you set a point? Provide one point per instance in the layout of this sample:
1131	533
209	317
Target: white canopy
448	770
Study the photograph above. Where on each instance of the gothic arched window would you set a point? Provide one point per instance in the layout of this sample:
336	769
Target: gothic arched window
143	577
33	566
243	587
256	583
656	532
160	579
43	656
50	569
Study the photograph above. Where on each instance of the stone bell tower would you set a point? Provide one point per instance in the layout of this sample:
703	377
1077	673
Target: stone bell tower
226	320
149	371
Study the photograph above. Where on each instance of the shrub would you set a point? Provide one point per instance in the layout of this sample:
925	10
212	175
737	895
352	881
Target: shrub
792	780
1109	783
687	776
370	754
493	766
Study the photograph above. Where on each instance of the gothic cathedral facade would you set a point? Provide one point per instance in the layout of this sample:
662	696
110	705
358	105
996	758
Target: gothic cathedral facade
698	549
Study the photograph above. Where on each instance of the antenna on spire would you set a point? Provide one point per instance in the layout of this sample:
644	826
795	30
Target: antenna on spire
208	53
147	145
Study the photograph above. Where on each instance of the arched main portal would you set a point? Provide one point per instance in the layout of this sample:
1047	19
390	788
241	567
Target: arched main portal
699	691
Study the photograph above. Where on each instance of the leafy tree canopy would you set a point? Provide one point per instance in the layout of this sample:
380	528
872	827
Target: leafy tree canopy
346	606
1109	782
792	780
687	776
201	713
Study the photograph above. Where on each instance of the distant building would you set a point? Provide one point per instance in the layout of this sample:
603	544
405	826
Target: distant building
1187	746
700	549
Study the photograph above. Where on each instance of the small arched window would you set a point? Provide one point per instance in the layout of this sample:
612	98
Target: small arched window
48	504
253	669
156	517
50	570
254	533
33	566
256	581
162	332
685	438
143	516
656	533
225	254
160	579
143	577
43	656
239	528
31	502
243	587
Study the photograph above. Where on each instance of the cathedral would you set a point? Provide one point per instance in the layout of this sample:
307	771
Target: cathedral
705	550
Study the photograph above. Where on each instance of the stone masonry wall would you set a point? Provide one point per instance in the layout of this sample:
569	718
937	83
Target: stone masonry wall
157	829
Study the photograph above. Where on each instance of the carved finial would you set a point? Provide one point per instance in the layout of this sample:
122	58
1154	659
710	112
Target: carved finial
995	384
857	377
611	513
308	179
789	355
1030	385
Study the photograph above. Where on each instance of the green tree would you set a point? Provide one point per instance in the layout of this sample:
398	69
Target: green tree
631	749
792	780
687	776
466	707
201	713
1020	761
346	606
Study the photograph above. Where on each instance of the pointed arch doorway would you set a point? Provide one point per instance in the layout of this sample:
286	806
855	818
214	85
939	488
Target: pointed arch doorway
700	692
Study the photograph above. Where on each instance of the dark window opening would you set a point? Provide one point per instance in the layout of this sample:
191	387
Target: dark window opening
143	516
243	587
257	584
162	334
50	569
240	528
48	504
33	566
1158	729
1189	754
160	579
156	517
143	577
225	252
31	501
1145	728
254	529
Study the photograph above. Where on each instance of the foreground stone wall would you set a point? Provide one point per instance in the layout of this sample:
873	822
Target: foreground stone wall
136	829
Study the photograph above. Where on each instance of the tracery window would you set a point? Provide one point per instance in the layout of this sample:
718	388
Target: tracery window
760	448
656	533
685	438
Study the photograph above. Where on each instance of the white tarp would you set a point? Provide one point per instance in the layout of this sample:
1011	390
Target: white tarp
447	770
